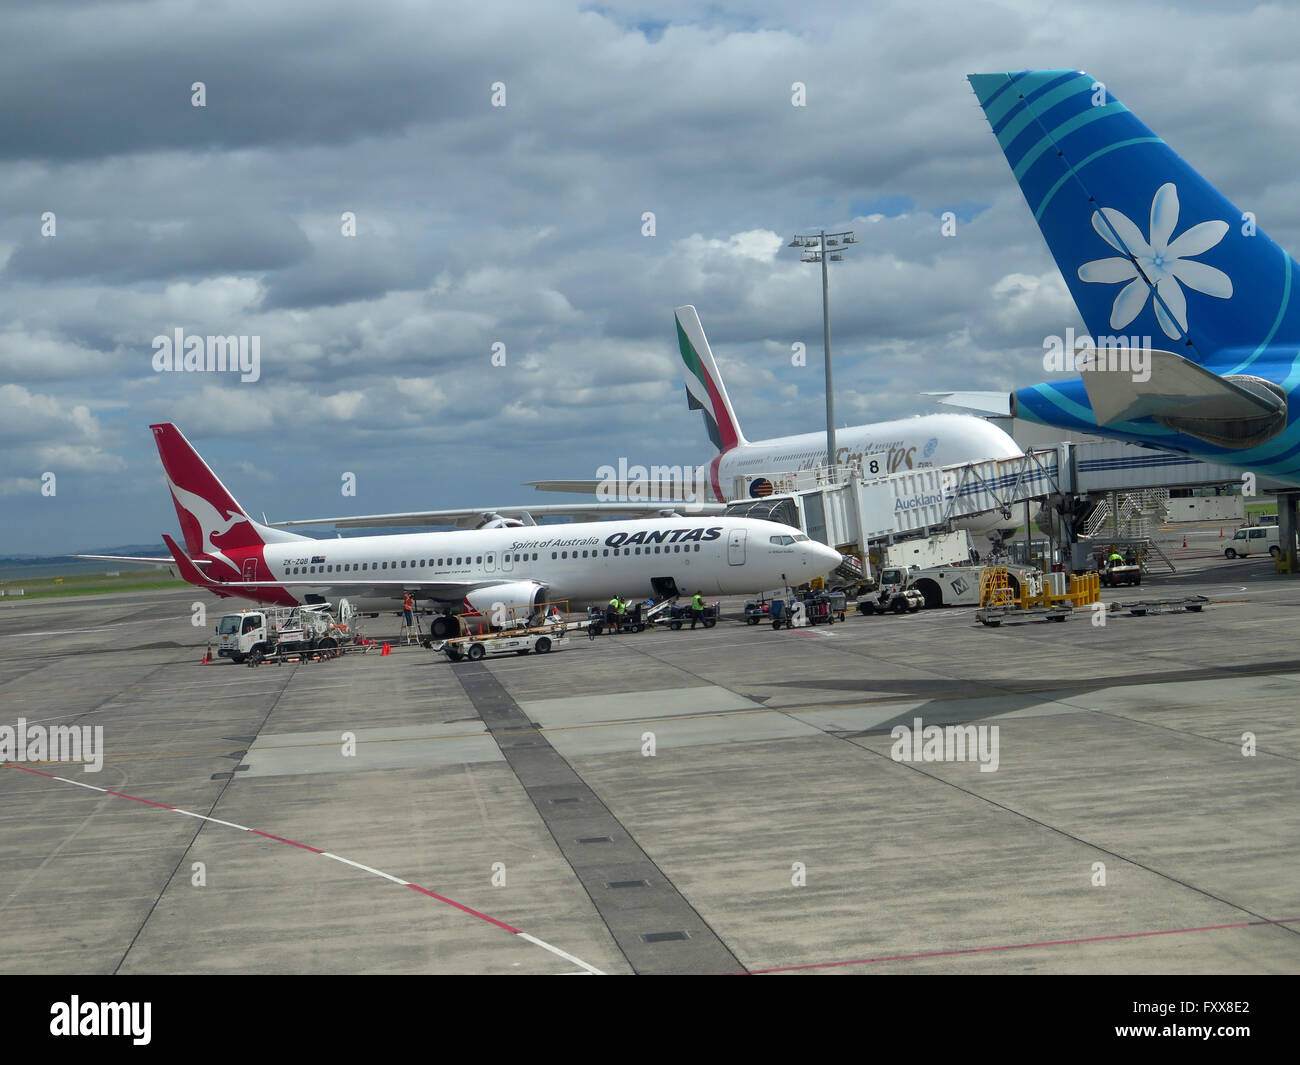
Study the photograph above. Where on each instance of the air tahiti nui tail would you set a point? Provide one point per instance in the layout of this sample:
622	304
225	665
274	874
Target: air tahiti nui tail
1192	310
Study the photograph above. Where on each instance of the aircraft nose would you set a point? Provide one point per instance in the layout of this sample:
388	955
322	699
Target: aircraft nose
822	558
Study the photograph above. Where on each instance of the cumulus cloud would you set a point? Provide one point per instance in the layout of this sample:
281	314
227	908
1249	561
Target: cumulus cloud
521	226
32	418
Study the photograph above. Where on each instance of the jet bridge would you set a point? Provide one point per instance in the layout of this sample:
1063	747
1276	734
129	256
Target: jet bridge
839	507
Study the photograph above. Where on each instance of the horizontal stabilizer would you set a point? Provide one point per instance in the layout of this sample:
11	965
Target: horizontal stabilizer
190	572
989	402
1238	411
141	560
1174	386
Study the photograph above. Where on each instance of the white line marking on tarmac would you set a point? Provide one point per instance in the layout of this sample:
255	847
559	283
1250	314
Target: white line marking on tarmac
357	865
591	969
366	868
72	632
214	820
64	632
80	784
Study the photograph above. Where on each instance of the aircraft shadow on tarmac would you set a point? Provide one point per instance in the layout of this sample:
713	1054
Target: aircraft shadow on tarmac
947	707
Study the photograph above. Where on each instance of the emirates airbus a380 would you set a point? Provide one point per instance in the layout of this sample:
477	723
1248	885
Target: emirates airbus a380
874	449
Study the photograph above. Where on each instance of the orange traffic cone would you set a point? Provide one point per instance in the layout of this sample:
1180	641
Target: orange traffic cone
1184	541
385	650
1220	532
207	656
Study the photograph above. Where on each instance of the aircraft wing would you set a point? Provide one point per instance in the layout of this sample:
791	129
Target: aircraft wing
990	402
652	495
587	487
474	518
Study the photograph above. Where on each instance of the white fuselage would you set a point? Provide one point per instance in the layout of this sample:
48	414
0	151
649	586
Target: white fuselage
579	562
876	450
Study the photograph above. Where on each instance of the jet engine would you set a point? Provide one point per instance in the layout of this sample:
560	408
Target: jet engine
503	605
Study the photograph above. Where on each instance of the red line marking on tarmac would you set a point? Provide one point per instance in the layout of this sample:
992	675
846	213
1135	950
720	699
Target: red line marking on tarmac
461	906
1017	946
280	839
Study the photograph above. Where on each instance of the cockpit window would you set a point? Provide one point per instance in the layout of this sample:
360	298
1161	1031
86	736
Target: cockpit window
781	540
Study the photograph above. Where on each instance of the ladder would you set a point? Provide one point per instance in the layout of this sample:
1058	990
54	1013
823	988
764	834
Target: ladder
995	587
409	634
1154	548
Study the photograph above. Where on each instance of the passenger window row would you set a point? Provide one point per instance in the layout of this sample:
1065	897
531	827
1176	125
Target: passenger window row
667	550
439	563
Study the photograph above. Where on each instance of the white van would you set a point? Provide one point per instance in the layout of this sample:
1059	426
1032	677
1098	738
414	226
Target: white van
1253	540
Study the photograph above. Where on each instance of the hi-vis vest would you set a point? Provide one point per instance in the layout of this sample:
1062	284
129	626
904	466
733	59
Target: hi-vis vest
697	602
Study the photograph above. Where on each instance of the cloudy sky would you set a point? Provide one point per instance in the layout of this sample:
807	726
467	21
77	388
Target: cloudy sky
522	225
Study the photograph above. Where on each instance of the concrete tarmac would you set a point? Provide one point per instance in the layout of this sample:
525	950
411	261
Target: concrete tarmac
722	800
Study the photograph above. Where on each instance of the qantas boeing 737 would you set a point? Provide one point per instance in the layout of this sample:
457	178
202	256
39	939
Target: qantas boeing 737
231	555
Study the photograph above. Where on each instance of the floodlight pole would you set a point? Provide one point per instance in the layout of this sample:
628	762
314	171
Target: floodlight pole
826	339
821	253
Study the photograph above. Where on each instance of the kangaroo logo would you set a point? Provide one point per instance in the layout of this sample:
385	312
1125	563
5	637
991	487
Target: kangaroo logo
211	522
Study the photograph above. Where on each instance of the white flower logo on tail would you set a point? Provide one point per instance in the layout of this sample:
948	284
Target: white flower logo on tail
1165	263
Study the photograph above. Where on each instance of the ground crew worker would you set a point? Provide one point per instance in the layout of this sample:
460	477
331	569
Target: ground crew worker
1116	559
408	609
697	608
611	614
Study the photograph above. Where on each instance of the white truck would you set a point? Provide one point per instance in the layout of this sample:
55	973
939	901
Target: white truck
960	585
259	634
